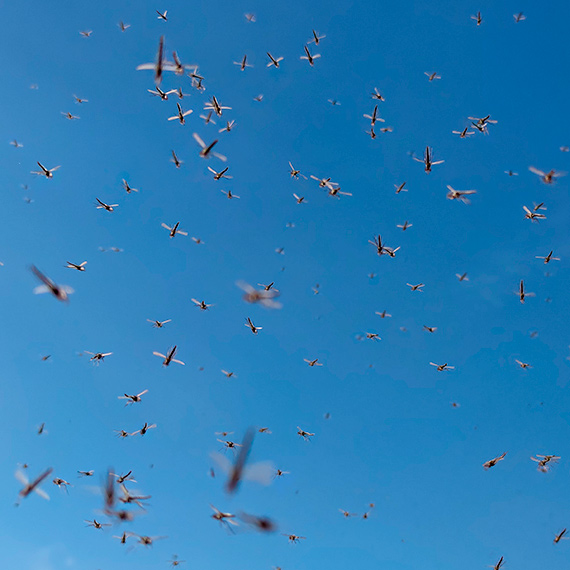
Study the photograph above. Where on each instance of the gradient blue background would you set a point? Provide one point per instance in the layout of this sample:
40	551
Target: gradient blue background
393	437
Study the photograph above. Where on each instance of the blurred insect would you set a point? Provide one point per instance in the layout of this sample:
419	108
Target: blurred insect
169	356
131	399
206	150
459	194
499	564
274	60
229	445
98	357
103	206
221	174
310	58
427	160
316	38
214	105
376	95
382	249
560	536
144	429
201	304
177	162
442	367
493	462
158	66
464	133
96	524
548	258
374	117
60	292
549	177
304	434
522	293
544	461
262	524
533	216
80	267
159	324
253	328
145	540
478	19
223	518
314	362
86	473
293	538
243	63
261	472
383	314
174	230
127	498
180	115
33	486
432	76
265	297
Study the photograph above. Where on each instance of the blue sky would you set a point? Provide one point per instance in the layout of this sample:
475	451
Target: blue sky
393	437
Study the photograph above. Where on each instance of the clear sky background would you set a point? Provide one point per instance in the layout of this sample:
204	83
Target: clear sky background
393	437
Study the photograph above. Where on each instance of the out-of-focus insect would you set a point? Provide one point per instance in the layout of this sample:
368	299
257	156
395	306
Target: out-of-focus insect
549	177
86	473
293	538
48	173
33	486
96	524
548	258
560	536
80	267
427	159
494	461
544	461
131	399
60	292
98	357
498	564
260	523
261	472
169	356
441	367
522	293
223	518
304	434
103	206
206	150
